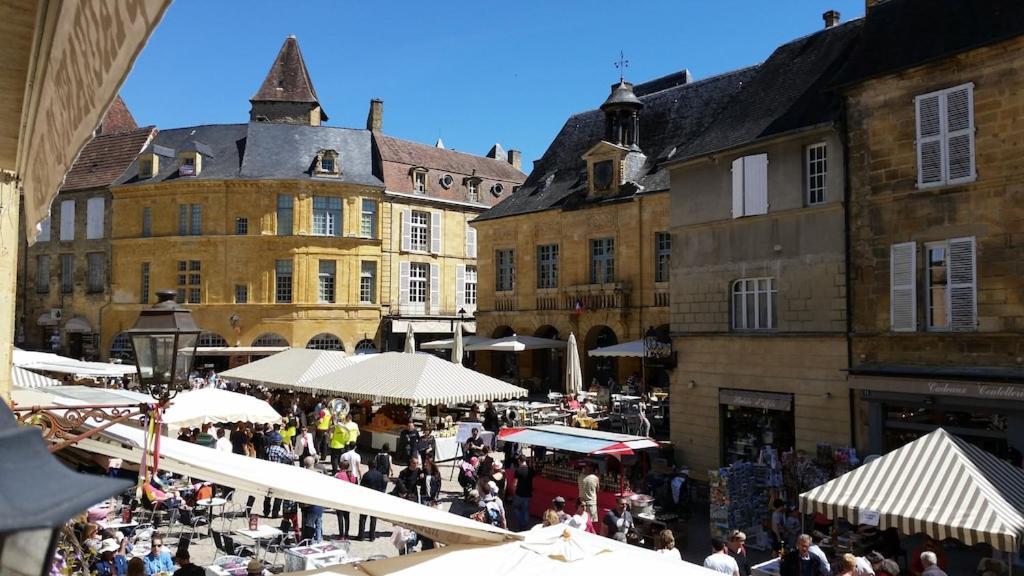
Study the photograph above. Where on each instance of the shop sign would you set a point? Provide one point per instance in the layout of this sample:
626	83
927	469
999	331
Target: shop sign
753	399
869	517
994	391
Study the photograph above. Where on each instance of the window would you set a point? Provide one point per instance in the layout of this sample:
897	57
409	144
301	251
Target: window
366	346
325	341
189	281
241	226
67	221
270	339
473	190
368	221
96	268
94	218
326	277
211	340
147	222
945	136
753	304
42	274
950	281
121	347
817	170
447	181
188	166
470	241
146	167
285	209
547	266
470	286
44	231
241	293
67	272
419	181
327	162
181	290
283	282
326	216
419	231
750	185
662	255
603	174
368	282
190	219
505	270
419	275
144	284
602	260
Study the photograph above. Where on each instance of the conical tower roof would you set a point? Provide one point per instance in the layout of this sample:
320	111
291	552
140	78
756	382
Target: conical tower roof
288	79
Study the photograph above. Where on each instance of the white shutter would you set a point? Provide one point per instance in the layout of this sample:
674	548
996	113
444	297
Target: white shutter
460	286
67	221
94	218
470	241
435	232
406	231
959	108
435	288
929	140
755	185
963	301
44	231
903	287
403	283
737	188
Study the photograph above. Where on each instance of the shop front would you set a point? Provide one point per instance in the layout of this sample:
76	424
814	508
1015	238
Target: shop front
753	420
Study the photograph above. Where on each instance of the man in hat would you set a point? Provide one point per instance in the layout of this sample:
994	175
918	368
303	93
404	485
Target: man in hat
558	507
112	560
276	452
187	568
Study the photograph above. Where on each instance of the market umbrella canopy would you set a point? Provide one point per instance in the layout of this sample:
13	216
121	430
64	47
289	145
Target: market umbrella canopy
939	484
293	369
573	372
580	440
447	343
516	343
26	379
410	339
458	346
414	379
194	408
634	349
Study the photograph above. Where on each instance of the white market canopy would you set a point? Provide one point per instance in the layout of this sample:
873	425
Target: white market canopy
580	440
294	368
634	349
25	379
194	408
47	362
447	343
516	343
263	477
413	379
939	484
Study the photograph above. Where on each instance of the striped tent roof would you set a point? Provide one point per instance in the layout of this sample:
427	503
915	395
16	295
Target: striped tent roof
27	379
938	484
293	368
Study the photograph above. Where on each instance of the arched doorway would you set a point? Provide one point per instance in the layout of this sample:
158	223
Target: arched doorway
325	341
600	367
504	364
121	349
547	362
270	339
211	340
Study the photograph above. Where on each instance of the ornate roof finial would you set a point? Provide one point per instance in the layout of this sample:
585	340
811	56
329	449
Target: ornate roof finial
622	64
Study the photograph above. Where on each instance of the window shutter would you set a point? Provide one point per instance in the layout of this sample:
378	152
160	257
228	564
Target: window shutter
903	287
963	305
929	140
94	218
755	185
737	188
67	220
435	232
182	219
435	288
403	283
460	286
470	241
960	133
406	230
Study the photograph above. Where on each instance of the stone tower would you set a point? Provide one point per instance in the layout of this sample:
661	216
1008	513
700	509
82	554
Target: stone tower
287	95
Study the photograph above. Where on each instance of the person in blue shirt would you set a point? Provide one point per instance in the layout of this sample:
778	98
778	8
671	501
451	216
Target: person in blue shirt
112	561
158	560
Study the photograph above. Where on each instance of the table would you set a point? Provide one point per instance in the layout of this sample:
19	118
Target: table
116	524
316	556
262	532
231	566
212	504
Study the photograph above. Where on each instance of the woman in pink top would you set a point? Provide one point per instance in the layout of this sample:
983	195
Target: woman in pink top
345	476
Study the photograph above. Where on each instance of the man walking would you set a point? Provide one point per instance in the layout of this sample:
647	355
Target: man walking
523	493
588	485
276	452
374	480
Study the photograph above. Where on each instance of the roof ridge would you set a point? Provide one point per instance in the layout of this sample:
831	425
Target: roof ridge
446	150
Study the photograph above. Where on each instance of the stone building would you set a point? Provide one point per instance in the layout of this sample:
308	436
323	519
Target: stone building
64	282
583	246
758	264
936	179
287	232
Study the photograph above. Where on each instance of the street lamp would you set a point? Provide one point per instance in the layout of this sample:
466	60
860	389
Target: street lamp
164	339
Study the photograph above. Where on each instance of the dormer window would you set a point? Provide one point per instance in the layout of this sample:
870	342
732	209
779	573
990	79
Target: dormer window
419	180
327	163
149	166
189	165
473	189
603	174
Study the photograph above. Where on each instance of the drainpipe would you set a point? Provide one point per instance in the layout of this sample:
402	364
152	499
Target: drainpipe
847	193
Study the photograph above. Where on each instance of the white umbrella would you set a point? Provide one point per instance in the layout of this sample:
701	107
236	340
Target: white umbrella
410	339
573	372
457	348
516	343
447	343
211	405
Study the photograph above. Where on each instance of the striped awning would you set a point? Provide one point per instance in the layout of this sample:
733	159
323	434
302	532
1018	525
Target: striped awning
938	484
27	379
293	368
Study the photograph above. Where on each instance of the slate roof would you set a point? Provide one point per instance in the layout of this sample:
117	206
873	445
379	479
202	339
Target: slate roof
901	34
105	158
670	115
288	79
226	141
787	93
416	154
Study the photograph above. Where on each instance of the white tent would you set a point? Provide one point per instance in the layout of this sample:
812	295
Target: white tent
447	343
26	379
267	478
414	379
458	346
194	408
516	343
293	369
410	339
634	349
573	372
47	362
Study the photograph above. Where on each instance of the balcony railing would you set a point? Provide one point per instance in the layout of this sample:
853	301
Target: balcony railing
504	303
661	298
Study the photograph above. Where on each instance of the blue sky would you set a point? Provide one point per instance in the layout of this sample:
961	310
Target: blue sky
472	72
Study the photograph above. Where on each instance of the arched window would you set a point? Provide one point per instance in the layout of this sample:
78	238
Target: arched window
121	347
325	341
366	346
212	340
270	339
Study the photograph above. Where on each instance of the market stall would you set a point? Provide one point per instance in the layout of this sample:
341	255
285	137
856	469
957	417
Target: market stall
194	408
292	369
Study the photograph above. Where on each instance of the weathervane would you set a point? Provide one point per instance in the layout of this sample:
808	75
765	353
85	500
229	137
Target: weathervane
622	64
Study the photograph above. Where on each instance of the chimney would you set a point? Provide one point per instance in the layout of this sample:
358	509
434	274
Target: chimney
375	119
831	18
515	158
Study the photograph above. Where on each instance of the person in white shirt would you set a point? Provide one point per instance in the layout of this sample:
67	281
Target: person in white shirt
667	545
223	444
815	551
719	560
354	460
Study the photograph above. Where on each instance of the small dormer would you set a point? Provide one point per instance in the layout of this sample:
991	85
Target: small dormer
473	184
605	168
190	163
326	163
418	174
149	165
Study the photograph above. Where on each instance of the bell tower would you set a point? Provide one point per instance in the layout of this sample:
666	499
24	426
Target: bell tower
287	95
